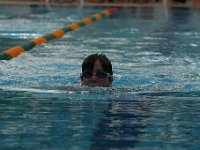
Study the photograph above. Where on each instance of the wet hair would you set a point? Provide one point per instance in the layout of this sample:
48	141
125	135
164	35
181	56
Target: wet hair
88	63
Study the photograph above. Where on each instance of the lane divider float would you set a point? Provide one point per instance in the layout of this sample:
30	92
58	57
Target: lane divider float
56	34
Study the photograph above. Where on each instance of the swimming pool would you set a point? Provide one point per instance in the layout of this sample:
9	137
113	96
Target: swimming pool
155	99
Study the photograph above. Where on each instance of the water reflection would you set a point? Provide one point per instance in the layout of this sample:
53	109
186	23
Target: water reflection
105	119
124	122
40	120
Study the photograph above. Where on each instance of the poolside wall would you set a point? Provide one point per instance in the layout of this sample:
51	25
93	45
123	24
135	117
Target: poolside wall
109	3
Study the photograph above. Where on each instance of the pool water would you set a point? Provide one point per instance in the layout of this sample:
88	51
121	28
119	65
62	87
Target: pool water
155	99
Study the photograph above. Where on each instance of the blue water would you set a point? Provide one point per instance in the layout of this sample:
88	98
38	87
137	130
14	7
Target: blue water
155	99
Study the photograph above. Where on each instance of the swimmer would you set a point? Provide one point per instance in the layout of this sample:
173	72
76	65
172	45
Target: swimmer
97	71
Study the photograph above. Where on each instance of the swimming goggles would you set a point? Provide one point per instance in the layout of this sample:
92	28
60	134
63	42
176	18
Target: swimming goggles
98	74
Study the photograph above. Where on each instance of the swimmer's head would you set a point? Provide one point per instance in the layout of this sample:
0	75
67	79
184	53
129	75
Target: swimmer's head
97	71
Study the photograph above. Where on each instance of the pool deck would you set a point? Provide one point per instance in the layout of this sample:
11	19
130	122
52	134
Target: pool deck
39	2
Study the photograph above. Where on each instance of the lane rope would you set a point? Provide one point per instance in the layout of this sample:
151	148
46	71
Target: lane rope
56	34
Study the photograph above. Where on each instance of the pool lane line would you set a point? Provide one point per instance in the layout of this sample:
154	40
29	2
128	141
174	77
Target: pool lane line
56	34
